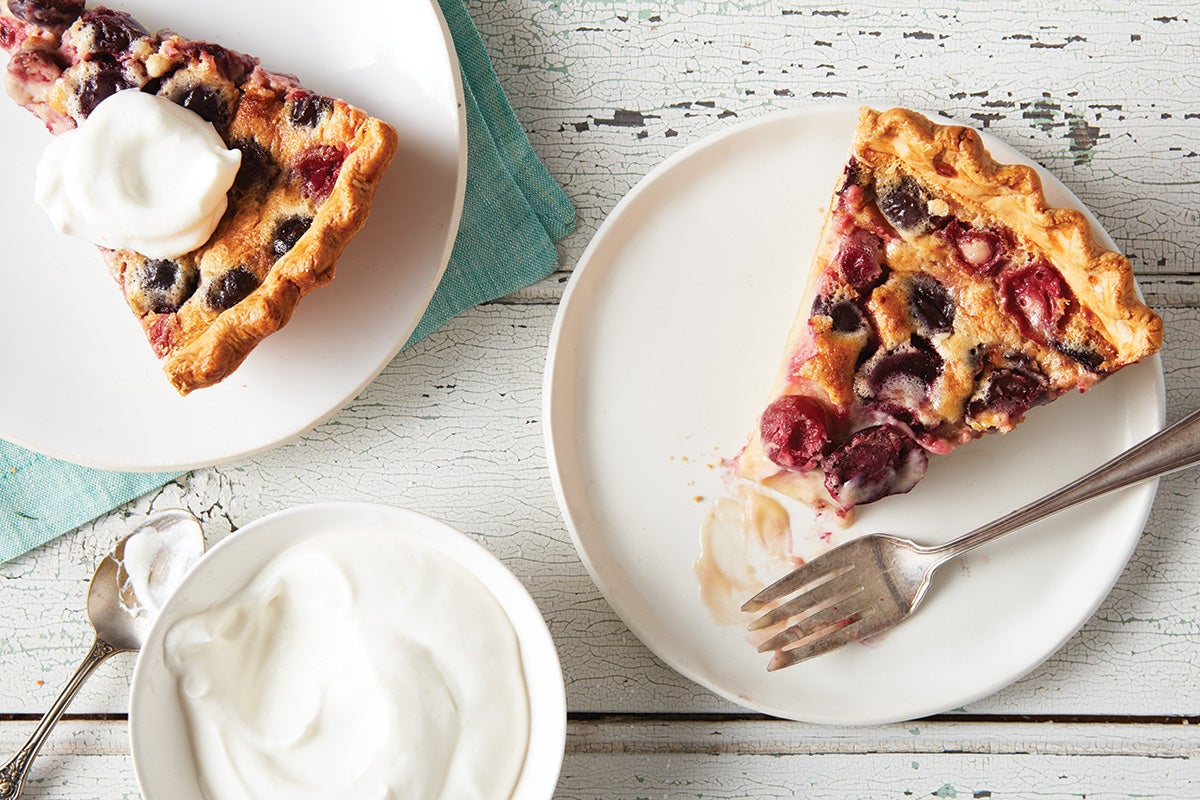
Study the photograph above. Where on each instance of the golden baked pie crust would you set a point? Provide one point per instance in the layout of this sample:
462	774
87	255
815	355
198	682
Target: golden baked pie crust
310	264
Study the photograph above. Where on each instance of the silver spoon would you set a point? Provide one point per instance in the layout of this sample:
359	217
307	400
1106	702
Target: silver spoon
119	614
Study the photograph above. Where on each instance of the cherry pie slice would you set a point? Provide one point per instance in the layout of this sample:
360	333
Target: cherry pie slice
310	167
946	300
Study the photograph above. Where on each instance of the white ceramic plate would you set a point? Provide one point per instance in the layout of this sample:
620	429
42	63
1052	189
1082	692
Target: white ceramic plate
162	757
81	382
661	357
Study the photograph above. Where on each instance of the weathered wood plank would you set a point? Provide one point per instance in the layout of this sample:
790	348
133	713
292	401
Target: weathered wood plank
704	777
80	760
453	429
621	759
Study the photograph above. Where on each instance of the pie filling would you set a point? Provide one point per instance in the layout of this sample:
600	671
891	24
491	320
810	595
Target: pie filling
941	310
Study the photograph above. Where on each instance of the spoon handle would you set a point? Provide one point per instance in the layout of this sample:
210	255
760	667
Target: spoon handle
12	774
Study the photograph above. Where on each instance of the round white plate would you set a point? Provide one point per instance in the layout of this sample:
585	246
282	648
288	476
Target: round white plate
162	756
660	360
81	382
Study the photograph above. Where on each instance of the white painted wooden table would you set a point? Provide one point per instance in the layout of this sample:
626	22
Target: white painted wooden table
1105	94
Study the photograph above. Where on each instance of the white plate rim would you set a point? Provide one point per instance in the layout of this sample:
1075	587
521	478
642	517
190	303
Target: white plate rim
100	461
538	651
555	385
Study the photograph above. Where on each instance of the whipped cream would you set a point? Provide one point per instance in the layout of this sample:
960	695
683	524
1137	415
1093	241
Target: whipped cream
154	560
141	173
356	665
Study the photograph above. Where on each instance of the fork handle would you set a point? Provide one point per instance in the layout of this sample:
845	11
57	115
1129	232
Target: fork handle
1174	448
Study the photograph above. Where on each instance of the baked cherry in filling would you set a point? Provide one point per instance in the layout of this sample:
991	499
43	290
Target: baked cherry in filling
50	13
230	288
860	260
795	431
873	463
1037	297
318	168
287	232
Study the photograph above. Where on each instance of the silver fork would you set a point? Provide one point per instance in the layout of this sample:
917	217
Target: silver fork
867	585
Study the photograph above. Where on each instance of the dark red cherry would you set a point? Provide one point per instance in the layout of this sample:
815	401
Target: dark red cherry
308	108
106	80
206	103
287	232
851	175
873	463
860	259
1085	355
1008	390
906	206
847	319
979	251
930	304
112	31
318	168
795	431
48	13
231	288
1038	297
167	283
844	316
901	377
258	169
229	64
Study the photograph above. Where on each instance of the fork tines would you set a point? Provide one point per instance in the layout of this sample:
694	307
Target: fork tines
827	613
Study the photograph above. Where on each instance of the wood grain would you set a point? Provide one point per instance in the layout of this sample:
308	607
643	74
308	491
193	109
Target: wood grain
706	761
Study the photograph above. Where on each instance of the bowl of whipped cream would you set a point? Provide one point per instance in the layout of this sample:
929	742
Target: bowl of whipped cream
348	650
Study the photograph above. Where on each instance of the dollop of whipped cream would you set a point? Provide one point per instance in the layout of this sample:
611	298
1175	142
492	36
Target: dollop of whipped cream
355	666
141	173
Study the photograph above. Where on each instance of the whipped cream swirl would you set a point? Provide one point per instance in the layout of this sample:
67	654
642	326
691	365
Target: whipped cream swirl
355	666
141	173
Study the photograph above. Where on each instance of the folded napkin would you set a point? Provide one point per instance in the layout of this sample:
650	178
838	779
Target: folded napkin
509	191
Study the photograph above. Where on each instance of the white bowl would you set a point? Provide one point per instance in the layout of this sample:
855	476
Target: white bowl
162	756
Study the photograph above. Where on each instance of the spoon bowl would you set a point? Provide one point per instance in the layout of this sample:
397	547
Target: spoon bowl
109	619
134	580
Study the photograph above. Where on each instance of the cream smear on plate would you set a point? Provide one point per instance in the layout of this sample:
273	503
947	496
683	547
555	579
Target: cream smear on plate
141	173
355	665
745	544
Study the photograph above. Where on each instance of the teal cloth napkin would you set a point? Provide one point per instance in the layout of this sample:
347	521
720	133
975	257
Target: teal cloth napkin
513	213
